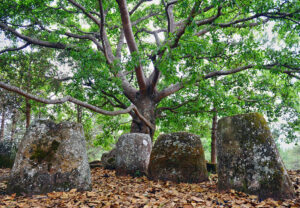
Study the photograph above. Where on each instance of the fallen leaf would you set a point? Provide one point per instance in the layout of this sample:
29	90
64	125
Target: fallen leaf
197	199
115	192
90	194
188	206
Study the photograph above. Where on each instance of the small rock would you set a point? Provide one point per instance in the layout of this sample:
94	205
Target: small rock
95	164
108	159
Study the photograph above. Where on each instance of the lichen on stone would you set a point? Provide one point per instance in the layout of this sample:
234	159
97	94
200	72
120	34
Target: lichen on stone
7	153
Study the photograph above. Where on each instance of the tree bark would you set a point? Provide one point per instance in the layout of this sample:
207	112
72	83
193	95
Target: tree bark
79	114
14	119
214	137
3	118
127	27
146	106
28	113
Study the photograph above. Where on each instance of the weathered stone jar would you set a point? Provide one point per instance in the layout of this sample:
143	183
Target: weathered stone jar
133	154
248	159
51	157
178	157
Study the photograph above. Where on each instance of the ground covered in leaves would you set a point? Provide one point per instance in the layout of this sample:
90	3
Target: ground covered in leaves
111	191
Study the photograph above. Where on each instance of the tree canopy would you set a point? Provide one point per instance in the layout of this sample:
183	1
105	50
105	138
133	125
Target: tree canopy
161	61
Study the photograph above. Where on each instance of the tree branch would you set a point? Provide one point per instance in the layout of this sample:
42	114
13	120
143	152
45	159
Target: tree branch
172	108
189	20
77	102
32	40
174	43
59	79
269	15
210	19
63	8
180	23
121	104
120	45
168	91
253	24
170	16
141	117
151	14
178	86
127	26
86	37
153	79
15	49
154	33
129	91
105	43
63	100
288	72
88	14
131	42
232	71
137	6
202	32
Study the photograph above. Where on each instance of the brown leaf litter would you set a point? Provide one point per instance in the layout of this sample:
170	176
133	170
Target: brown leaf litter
110	191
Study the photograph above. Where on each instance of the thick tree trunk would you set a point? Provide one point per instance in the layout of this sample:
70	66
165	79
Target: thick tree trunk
146	106
14	119
214	137
28	113
3	118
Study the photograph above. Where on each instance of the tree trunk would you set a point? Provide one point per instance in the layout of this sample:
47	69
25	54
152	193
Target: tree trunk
14	119
79	114
28	113
214	137
3	118
146	106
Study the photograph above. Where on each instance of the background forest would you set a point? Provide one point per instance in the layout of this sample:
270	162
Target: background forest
102	132
169	65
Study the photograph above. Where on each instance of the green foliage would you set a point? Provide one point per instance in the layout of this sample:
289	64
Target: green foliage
222	48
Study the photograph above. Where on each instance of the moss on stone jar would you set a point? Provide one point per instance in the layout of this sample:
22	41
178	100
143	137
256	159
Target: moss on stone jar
40	153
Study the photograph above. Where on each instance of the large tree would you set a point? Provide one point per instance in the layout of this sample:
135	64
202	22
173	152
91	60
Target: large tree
144	52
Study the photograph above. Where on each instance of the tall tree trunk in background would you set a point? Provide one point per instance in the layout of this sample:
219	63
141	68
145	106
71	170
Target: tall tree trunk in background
79	114
3	117
15	117
214	137
28	113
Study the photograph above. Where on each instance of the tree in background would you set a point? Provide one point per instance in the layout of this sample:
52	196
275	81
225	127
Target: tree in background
291	157
34	72
194	42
